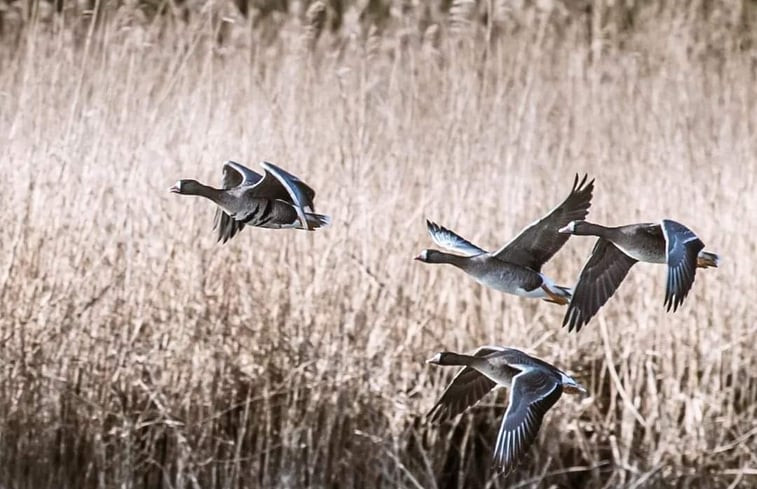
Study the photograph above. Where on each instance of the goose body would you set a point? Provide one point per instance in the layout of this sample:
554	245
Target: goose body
495	274
275	200
509	278
643	242
516	267
619	248
534	385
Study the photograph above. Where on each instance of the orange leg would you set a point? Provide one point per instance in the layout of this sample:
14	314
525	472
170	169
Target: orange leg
705	263
554	298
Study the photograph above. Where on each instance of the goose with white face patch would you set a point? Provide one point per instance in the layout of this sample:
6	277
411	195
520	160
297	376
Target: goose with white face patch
619	248
516	267
275	200
535	386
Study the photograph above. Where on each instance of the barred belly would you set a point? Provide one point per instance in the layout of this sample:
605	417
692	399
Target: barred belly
511	279
266	213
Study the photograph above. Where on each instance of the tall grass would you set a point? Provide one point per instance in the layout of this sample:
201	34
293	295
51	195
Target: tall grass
136	352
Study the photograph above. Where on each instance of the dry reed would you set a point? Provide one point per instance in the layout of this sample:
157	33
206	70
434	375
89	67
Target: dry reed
136	352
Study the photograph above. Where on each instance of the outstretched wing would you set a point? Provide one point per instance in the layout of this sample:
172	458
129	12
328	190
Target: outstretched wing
537	243
683	247
465	390
300	193
451	241
279	184
532	393
234	175
604	271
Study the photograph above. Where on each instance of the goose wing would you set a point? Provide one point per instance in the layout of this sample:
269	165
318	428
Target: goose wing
234	175
465	390
298	192
601	276
532	393
281	185
537	243
451	241
683	247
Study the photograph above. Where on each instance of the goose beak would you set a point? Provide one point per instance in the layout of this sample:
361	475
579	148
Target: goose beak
575	389
435	359
174	188
418	258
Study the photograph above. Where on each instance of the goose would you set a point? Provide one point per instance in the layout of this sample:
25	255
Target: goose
619	248
516	267
275	200
535	386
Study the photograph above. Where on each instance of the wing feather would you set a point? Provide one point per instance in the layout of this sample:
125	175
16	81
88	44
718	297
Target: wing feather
532	393
299	194
465	390
683	247
234	175
604	271
537	243
451	241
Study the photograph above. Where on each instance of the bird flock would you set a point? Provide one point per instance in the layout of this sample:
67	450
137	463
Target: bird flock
280	200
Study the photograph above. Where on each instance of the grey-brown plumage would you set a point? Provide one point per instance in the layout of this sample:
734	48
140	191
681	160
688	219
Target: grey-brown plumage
619	248
275	200
516	267
535	386
539	242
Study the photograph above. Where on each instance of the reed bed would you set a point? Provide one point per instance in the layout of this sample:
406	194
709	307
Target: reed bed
135	352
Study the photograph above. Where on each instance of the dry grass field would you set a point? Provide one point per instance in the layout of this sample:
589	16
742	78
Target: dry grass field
135	352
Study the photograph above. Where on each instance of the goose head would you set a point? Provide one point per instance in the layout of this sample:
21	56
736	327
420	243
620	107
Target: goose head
440	358
571	386
186	186
423	256
583	228
570	228
432	256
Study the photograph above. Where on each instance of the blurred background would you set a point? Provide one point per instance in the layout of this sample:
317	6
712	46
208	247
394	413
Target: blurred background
136	352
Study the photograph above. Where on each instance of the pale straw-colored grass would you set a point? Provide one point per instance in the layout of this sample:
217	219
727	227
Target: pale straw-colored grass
137	352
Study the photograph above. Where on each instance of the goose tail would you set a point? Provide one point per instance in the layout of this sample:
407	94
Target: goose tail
558	294
565	292
316	221
707	260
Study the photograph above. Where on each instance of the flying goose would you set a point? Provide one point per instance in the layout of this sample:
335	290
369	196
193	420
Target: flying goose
616	251
516	267
276	200
535	386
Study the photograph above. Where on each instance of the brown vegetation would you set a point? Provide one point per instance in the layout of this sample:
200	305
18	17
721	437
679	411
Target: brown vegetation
136	352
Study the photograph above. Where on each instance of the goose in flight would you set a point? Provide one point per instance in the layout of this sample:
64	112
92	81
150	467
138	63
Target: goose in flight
516	267
535	386
619	248
275	200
